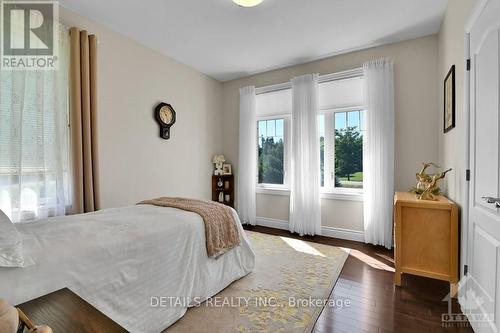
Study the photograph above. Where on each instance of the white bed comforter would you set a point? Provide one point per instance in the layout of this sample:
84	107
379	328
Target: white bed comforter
117	259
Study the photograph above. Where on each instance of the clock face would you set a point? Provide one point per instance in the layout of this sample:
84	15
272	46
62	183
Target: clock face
166	115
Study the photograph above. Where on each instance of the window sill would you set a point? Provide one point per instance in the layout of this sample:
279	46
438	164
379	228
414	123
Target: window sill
343	195
273	190
338	195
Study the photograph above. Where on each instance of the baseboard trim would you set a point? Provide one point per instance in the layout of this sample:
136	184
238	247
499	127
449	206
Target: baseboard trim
354	235
272	223
347	234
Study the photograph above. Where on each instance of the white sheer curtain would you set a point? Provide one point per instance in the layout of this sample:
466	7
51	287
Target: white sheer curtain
378	152
305	206
247	163
34	140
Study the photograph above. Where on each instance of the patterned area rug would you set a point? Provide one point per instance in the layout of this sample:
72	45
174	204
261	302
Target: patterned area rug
286	292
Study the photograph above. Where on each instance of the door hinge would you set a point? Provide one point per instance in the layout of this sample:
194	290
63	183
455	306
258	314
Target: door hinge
467	175
468	64
466	270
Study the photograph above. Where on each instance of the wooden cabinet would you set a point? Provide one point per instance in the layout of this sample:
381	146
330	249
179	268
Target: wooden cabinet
426	238
223	186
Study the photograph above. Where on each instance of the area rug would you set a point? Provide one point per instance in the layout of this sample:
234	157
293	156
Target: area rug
286	292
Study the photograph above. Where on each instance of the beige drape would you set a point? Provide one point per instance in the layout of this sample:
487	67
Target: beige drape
83	121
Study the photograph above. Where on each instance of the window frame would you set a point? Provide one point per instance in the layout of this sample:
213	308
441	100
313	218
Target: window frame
286	153
329	190
334	193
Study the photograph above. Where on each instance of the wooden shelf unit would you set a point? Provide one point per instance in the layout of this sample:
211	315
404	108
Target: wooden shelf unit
426	238
227	188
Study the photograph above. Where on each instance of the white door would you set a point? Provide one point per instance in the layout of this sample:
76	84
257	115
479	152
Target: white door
483	282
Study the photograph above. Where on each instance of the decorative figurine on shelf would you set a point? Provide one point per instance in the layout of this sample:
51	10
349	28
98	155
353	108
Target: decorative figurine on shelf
221	197
427	184
218	160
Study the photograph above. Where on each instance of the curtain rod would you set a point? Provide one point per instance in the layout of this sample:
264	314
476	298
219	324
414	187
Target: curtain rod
351	73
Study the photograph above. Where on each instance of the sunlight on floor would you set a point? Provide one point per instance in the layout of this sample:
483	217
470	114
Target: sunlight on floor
301	246
371	261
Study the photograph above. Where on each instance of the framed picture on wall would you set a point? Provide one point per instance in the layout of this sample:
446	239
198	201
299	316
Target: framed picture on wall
449	100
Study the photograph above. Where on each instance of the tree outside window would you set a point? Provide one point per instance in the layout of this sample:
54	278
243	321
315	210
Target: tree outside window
349	149
349	154
271	151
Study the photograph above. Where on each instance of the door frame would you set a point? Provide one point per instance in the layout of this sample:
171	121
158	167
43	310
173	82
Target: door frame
464	227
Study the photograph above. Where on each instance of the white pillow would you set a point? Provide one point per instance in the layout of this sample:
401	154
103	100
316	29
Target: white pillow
11	246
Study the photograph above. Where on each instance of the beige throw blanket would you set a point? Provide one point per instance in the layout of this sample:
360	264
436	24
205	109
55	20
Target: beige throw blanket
221	232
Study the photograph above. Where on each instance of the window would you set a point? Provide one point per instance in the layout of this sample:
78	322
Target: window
341	129
34	141
349	149
273	127
341	149
271	167
340	126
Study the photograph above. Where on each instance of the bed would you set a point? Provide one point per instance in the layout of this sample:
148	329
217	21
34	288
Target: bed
122	260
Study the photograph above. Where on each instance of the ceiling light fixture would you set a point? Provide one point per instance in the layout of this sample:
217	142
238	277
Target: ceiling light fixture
247	3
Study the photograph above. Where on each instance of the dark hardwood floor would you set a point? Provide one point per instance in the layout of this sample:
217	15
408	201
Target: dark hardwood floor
376	304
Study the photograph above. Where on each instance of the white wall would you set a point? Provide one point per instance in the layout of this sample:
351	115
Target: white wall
451	51
135	163
452	153
416	92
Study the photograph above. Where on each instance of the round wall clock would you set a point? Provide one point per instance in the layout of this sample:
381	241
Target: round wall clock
165	116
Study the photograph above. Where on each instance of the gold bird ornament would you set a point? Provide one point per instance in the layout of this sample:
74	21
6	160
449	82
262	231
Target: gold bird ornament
427	184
